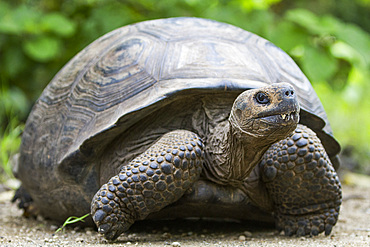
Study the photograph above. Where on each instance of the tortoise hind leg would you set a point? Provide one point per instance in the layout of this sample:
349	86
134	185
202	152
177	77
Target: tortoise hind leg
25	202
153	180
302	184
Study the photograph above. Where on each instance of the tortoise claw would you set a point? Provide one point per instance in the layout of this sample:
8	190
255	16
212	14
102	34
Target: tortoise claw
109	231
315	231
104	228
300	232
328	229
307	225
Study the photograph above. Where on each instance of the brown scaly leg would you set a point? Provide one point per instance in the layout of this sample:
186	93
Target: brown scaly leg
302	184
153	180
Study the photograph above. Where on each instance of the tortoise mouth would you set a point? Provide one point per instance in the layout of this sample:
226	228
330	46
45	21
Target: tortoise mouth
281	118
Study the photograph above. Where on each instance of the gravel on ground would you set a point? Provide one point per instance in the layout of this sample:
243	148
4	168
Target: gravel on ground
353	229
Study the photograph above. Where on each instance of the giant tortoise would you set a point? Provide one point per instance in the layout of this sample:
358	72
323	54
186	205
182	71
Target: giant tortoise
177	118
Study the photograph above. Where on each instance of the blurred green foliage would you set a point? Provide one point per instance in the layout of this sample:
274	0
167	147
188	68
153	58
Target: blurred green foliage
329	39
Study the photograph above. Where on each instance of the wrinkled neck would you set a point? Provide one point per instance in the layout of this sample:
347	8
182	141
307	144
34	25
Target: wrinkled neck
245	154
231	159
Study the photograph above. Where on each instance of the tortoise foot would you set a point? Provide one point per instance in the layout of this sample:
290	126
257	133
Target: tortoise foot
311	224
25	202
108	215
153	180
303	184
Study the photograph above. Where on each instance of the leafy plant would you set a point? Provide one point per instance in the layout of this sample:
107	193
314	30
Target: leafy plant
9	144
11	104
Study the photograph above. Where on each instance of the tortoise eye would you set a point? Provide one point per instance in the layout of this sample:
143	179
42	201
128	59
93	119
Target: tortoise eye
262	98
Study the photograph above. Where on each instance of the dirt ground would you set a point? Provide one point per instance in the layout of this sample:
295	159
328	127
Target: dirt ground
353	229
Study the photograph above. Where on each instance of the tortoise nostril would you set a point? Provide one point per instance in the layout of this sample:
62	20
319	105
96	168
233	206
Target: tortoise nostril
289	93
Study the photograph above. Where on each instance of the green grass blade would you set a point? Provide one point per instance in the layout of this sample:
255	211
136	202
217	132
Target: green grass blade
71	220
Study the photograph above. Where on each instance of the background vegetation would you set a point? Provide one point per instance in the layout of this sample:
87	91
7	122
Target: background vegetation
329	39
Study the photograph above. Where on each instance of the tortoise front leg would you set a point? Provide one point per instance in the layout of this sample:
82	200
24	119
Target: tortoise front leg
302	183
153	180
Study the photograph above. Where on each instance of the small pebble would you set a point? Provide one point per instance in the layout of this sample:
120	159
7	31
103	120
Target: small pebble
242	238
271	233
27	238
53	227
176	244
46	240
247	234
132	235
104	241
40	218
166	235
79	240
190	233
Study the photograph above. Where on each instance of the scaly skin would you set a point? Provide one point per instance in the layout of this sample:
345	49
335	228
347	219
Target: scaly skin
302	183
156	178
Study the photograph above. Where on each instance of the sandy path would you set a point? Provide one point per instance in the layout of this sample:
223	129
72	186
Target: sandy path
353	229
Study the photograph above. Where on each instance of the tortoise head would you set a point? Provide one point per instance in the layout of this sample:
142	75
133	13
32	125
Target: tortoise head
270	114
